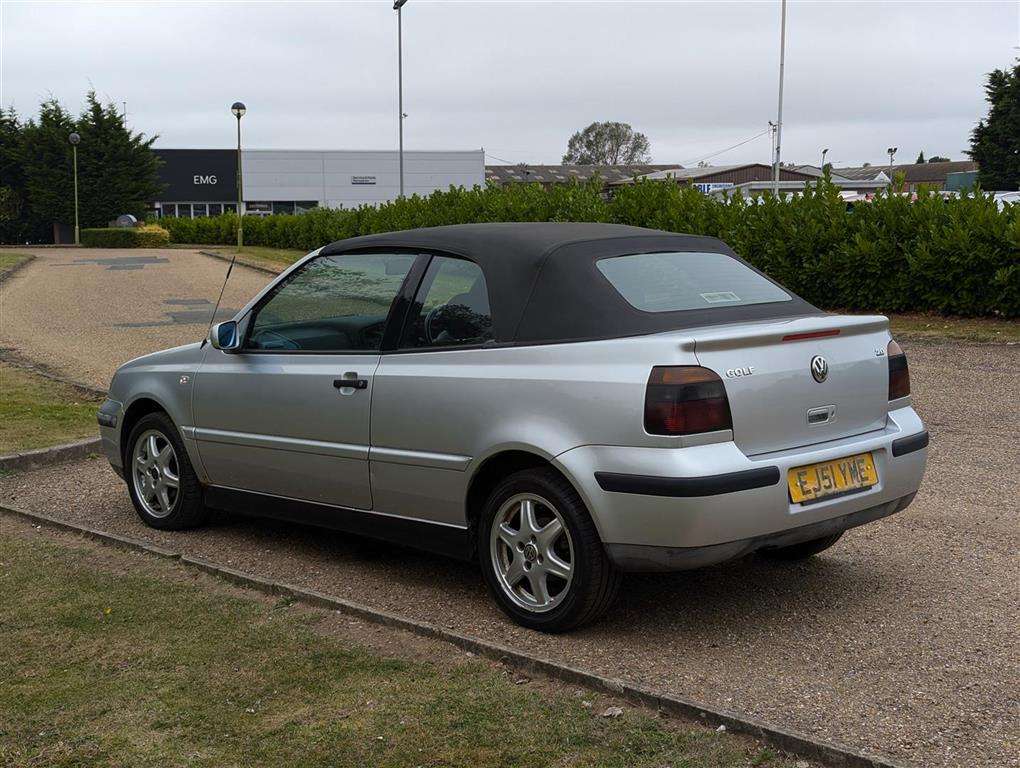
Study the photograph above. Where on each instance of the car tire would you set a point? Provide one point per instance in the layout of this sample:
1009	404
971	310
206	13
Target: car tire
803	550
524	563
162	483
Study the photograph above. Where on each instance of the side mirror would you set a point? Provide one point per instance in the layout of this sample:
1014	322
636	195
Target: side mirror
224	336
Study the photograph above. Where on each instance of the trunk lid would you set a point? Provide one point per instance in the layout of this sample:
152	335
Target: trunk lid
776	401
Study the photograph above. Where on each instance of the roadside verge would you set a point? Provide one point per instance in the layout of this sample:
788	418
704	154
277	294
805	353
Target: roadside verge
243	260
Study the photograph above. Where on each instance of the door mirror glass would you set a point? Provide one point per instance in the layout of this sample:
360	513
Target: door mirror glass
224	336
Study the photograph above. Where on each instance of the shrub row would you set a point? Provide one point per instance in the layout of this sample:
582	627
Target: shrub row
148	236
958	256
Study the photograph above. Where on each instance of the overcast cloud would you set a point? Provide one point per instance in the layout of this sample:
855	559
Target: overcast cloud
519	77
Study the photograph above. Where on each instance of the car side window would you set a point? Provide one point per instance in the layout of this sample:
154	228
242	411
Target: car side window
451	307
332	304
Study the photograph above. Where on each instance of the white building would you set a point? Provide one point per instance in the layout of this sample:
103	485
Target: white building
203	182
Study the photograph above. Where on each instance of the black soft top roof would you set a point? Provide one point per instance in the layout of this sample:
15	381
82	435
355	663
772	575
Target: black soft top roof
544	286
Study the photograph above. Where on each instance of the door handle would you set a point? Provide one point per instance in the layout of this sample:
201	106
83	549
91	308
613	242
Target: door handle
350	383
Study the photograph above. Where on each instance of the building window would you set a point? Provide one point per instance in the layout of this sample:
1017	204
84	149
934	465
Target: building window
230	207
303	206
184	210
215	209
283	207
169	210
199	210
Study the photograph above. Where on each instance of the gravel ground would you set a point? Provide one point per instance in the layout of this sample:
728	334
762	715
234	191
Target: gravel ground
84	311
901	640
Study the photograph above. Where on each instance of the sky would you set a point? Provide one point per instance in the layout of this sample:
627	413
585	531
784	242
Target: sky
518	78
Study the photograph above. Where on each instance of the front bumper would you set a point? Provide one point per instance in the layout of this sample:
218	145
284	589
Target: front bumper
109	418
711	495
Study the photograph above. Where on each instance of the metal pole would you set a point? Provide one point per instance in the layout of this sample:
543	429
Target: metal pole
400	95
77	232
240	225
779	119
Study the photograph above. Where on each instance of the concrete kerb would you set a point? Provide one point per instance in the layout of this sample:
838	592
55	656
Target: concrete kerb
8	273
250	264
44	457
835	755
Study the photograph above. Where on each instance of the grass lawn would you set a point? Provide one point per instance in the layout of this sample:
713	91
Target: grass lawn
10	259
36	412
935	327
110	658
273	258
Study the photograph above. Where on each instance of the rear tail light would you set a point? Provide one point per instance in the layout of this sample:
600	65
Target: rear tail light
685	400
899	374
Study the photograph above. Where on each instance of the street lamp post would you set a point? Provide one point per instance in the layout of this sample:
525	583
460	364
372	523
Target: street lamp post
779	117
75	139
397	5
239	109
891	152
824	153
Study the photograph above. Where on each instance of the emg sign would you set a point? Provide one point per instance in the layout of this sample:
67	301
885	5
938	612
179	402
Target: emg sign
198	175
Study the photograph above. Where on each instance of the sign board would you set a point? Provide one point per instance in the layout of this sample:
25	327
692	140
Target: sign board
206	175
361	180
713	186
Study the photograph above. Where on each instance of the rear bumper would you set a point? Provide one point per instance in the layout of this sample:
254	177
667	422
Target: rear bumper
713	495
639	557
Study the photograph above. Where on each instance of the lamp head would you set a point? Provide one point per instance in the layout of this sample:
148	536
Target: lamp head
238	109
75	139
398	4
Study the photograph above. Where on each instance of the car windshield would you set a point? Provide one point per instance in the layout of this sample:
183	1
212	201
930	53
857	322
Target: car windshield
680	280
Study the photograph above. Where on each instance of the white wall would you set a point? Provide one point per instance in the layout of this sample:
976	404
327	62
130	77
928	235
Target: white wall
326	176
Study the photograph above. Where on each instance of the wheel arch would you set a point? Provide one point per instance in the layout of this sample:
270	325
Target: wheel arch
503	463
138	408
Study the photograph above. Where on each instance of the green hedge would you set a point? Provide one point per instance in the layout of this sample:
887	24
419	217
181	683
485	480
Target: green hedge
957	256
149	236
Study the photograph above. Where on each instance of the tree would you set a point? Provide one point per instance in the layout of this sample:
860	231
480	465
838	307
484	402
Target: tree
117	169
12	178
938	159
49	180
920	157
607	144
995	141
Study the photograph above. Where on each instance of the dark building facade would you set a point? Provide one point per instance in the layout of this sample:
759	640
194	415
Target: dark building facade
199	182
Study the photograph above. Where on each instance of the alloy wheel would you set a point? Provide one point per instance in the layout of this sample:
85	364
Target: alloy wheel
532	553
155	473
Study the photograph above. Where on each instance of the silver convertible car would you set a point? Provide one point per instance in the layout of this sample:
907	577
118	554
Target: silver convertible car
560	402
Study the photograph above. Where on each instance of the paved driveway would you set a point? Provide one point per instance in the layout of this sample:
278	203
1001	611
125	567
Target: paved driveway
900	640
85	311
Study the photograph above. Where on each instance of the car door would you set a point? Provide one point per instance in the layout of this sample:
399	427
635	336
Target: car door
430	394
288	413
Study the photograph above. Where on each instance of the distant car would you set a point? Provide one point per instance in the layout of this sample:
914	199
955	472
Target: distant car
561	402
1004	198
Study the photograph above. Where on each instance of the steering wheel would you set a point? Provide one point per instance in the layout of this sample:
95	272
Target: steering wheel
430	319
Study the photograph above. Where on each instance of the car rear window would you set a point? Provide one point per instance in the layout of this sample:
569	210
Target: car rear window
679	280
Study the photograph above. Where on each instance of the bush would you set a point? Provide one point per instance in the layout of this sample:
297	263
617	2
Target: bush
958	255
147	236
